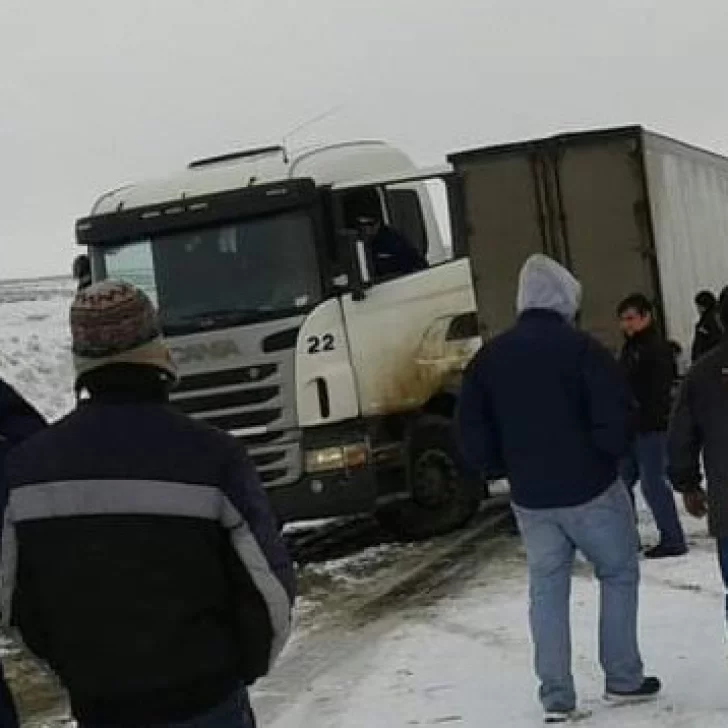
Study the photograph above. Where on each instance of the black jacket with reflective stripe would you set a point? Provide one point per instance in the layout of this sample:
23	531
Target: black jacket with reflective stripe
142	562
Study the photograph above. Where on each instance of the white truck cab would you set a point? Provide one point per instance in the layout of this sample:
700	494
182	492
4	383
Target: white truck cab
339	380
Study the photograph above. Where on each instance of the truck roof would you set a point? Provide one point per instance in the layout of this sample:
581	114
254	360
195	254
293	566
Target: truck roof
589	137
324	164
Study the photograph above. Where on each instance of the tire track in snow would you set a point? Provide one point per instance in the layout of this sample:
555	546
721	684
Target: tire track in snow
358	626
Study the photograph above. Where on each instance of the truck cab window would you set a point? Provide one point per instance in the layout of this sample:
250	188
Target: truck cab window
391	253
133	263
251	270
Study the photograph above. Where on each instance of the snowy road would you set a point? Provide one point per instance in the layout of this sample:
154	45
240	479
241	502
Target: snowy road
464	657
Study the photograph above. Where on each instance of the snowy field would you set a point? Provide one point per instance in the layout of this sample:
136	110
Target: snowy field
35	341
458	657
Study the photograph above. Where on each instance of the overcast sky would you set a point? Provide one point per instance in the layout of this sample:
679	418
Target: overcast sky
96	93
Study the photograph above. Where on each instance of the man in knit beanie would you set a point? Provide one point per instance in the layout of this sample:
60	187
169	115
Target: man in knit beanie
141	558
697	443
115	325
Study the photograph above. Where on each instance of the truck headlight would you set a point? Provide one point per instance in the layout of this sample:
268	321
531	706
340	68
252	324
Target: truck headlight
344	457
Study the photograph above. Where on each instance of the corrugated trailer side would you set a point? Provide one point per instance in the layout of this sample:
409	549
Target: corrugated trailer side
688	195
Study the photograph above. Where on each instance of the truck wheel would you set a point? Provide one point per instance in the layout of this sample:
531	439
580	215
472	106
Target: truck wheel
442	498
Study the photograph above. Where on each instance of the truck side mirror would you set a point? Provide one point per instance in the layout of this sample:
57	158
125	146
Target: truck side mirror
357	258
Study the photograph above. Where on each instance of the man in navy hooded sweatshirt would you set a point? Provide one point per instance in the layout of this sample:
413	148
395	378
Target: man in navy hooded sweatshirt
546	406
18	421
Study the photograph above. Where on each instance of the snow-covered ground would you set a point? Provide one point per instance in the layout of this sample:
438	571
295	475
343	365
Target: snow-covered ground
466	660
461	657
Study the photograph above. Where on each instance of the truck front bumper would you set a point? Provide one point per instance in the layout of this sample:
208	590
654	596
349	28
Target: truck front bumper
326	495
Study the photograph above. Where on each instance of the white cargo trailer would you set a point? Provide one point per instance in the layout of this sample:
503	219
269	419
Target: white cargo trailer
626	209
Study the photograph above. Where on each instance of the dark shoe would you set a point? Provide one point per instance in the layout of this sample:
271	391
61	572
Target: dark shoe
555	717
665	551
649	689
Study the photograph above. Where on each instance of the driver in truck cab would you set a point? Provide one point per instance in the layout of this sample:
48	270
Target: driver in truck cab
391	254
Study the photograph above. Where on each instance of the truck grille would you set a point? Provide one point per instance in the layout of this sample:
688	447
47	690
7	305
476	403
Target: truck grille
248	403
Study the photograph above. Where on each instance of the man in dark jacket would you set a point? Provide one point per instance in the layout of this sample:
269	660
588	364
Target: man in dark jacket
141	558
698	435
18	421
649	363
708	330
391	254
546	406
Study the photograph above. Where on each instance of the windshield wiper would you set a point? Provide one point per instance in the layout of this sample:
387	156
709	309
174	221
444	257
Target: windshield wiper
222	313
189	323
207	319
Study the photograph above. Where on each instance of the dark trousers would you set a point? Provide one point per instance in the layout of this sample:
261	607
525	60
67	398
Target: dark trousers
647	463
233	713
8	716
723	561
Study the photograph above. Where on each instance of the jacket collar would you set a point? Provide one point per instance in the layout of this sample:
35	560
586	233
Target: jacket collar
645	336
542	314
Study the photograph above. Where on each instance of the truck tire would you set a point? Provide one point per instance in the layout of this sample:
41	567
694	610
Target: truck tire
442	498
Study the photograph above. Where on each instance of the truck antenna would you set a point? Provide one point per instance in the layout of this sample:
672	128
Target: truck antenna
306	124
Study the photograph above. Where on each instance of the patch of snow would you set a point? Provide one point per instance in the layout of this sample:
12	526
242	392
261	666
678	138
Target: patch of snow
35	342
297	527
359	565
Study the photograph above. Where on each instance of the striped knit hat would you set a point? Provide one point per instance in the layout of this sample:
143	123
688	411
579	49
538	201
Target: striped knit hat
114	322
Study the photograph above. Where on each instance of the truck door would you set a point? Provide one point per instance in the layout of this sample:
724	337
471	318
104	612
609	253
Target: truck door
393	326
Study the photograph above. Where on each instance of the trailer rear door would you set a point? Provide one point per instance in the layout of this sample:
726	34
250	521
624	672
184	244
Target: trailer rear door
504	227
579	198
605	225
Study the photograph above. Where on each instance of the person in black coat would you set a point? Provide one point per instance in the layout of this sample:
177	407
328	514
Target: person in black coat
697	443
649	364
82	271
18	421
709	329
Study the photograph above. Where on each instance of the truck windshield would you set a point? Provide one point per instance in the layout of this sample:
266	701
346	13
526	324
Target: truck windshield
222	276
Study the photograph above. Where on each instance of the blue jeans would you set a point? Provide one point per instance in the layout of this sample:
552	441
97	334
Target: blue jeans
235	712
604	531
647	463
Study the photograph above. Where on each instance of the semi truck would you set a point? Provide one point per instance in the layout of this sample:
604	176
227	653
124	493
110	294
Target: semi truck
341	383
